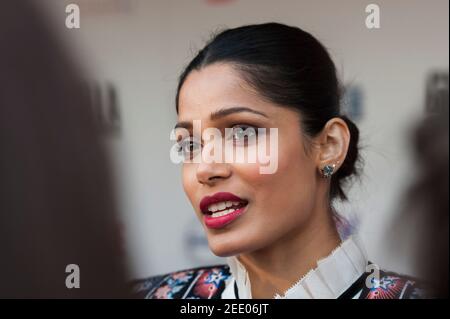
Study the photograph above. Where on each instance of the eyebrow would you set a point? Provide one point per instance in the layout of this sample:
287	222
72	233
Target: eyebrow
222	113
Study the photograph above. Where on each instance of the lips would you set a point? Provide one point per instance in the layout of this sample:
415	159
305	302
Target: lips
221	209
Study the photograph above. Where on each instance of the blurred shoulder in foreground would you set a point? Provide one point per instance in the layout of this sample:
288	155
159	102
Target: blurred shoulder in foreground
56	202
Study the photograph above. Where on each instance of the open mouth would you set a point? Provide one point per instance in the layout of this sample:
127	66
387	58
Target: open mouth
221	204
224	208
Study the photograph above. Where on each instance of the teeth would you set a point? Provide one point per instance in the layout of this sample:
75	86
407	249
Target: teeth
222	207
223	213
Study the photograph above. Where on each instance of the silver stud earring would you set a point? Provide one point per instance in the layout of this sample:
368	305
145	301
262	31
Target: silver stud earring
328	170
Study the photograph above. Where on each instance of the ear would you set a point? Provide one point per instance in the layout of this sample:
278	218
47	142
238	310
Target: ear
333	143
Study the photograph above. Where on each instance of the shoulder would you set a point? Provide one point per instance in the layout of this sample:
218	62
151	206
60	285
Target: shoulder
391	285
196	283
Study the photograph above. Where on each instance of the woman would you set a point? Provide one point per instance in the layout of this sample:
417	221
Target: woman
279	230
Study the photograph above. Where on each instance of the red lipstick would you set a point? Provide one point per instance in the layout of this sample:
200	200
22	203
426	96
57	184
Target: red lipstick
221	209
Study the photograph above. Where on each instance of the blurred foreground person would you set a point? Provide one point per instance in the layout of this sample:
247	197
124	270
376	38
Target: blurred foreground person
58	227
428	201
425	203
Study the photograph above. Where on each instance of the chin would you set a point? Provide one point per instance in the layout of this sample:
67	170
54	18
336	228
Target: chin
223	249
220	247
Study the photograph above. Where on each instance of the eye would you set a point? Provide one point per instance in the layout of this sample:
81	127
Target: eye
188	147
243	134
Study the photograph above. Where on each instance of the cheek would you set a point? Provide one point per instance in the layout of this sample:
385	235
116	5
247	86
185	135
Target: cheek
295	178
294	167
288	192
189	181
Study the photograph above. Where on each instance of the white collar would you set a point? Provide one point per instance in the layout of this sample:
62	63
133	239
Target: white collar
333	275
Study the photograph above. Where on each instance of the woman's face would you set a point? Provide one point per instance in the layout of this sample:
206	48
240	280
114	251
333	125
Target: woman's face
269	207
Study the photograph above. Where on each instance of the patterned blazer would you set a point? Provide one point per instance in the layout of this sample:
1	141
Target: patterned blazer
210	282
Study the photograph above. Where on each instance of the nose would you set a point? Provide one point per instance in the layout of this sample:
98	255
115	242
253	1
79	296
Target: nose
211	173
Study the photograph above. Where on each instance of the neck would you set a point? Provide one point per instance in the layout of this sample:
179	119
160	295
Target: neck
276	268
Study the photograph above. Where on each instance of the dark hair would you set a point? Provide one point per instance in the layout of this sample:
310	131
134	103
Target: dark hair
56	198
289	67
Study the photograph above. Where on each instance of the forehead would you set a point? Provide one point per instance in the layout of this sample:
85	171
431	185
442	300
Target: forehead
214	87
